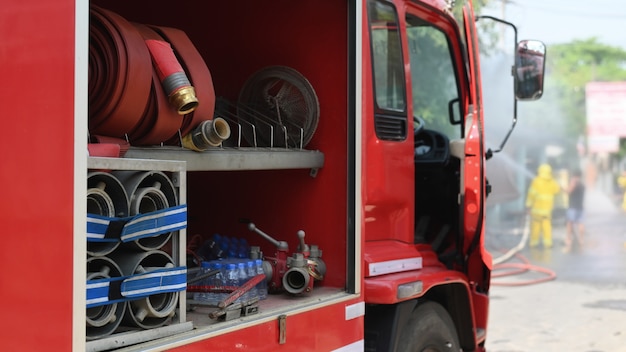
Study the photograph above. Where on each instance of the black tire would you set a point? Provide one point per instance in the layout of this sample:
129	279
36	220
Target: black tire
429	329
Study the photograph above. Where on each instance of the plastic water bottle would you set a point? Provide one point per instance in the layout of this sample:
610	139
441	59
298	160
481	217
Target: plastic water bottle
251	271
218	284
223	245
242	276
261	287
203	296
232	277
244	248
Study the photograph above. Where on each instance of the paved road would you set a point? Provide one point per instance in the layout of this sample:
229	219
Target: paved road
583	308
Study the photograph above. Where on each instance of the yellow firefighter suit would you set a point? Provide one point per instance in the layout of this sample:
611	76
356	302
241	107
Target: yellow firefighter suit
540	202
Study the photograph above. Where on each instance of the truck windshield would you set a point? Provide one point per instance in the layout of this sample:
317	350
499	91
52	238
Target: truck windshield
433	79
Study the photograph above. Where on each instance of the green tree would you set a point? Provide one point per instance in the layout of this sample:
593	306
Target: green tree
569	67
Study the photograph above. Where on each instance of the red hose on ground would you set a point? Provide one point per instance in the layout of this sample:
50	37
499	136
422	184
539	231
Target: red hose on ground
519	267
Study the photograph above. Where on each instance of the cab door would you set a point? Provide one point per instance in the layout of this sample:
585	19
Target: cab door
477	259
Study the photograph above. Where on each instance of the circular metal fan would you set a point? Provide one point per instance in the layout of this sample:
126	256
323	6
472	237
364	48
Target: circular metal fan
278	107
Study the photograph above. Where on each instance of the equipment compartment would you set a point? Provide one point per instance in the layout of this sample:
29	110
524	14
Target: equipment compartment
273	186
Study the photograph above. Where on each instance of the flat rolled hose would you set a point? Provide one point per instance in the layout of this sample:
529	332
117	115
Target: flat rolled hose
103	320
122	144
126	96
155	310
161	120
148	191
199	75
120	72
106	196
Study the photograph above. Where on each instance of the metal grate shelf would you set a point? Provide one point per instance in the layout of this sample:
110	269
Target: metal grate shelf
233	159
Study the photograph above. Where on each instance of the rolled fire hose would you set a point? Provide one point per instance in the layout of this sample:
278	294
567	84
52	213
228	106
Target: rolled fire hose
149	120
161	120
103	320
106	146
117	53
148	191
106	196
199	75
180	92
155	310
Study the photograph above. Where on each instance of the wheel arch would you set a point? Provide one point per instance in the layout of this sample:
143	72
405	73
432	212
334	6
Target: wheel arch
383	322
455	299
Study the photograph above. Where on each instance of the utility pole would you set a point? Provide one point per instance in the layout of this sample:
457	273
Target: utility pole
502	36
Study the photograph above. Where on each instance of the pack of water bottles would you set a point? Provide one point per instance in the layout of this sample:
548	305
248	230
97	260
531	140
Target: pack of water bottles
221	247
227	266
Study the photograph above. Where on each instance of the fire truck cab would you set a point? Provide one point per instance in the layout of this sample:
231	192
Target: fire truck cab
349	160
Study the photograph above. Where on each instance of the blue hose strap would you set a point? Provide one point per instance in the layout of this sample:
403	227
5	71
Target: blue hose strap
127	288
155	282
155	223
103	291
110	229
98	228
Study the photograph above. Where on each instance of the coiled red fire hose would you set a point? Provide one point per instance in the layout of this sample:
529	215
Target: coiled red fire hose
199	75
120	71
126	96
179	90
161	121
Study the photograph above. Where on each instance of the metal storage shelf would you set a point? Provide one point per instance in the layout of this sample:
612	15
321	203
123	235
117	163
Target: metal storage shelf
233	159
144	165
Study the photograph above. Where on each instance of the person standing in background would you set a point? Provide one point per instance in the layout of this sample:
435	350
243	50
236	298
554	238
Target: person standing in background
540	202
574	216
621	181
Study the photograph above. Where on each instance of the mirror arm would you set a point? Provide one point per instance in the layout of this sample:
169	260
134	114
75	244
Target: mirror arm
506	138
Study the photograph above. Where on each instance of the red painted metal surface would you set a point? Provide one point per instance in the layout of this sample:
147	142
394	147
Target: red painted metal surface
382	251
388	182
479	263
322	329
382	290
36	210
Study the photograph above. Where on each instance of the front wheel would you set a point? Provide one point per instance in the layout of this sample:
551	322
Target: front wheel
429	329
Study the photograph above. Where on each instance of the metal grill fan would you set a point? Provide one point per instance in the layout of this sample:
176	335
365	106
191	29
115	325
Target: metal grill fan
278	108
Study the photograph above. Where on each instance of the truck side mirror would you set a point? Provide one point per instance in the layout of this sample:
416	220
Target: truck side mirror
529	69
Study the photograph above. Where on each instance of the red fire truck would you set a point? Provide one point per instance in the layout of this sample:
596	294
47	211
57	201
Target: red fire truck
338	143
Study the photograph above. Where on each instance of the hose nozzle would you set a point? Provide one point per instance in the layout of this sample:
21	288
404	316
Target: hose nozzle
208	133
